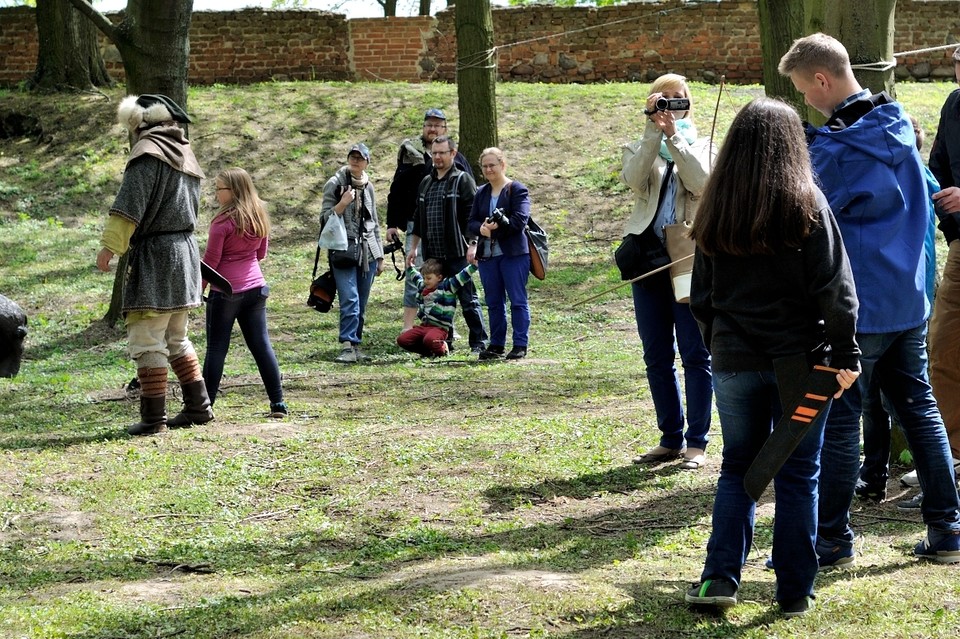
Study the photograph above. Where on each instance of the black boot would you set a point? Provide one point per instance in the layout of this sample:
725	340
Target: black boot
196	406
153	405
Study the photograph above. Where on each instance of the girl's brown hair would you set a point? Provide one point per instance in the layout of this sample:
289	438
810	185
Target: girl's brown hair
247	210
760	197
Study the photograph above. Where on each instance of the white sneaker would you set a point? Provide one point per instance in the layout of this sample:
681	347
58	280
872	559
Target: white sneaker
910	480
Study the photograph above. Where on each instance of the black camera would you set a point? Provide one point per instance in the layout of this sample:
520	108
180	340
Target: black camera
499	218
673	104
395	245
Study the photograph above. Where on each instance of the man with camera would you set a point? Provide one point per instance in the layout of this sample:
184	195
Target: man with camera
444	201
414	164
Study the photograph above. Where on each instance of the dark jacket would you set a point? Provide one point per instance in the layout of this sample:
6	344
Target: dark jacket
412	166
945	159
756	308
514	200
458	189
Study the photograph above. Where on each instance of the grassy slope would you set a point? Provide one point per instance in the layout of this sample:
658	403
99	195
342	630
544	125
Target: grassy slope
404	498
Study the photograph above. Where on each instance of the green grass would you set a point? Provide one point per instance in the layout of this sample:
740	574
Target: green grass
404	498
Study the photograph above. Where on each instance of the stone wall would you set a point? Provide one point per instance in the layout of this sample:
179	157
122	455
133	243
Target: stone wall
540	43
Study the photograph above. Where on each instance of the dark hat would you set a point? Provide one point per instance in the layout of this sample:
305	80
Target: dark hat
149	99
360	148
434	113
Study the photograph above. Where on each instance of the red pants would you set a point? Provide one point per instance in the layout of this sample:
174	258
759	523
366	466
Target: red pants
425	340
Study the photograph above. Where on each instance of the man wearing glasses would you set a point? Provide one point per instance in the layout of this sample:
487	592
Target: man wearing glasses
414	164
444	200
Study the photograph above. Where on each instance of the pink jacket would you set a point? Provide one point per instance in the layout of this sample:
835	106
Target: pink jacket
235	257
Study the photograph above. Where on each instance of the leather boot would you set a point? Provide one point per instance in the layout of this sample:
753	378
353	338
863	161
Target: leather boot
153	402
196	406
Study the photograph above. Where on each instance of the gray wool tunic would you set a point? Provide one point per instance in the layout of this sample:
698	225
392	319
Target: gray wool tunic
163	271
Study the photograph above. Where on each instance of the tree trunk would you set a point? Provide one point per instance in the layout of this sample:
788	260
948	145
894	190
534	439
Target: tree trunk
69	55
154	42
780	24
865	28
476	79
424	8
389	7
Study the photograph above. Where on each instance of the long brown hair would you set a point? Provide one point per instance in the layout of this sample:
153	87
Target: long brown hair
760	197
246	211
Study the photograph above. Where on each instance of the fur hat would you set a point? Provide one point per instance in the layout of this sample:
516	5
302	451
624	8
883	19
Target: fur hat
135	111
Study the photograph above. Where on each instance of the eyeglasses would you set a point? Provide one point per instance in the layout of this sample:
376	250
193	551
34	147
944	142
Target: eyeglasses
434	125
356	158
486	167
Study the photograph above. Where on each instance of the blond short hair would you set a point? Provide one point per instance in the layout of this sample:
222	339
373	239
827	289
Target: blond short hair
816	52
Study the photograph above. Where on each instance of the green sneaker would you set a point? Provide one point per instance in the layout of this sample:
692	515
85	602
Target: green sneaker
713	592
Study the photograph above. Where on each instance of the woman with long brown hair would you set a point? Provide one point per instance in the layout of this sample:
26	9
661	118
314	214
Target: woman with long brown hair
771	281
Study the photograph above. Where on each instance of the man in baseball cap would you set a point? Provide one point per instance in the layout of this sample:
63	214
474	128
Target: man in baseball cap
413	164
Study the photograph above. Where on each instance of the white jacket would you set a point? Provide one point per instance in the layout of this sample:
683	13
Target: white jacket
643	171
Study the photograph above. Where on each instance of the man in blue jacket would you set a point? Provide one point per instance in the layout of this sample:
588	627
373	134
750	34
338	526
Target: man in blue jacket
866	160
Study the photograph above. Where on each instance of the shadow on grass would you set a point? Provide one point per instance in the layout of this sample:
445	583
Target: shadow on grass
622	479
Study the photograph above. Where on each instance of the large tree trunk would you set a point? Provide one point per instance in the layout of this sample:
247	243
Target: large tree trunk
476	79
154	42
865	28
389	7
69	55
424	8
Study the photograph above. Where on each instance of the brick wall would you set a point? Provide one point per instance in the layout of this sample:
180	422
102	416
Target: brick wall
540	43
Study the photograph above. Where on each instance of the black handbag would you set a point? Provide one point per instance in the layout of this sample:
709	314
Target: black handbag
323	289
639	254
347	258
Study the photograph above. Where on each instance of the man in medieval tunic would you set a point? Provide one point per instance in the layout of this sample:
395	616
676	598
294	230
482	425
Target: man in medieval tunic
153	218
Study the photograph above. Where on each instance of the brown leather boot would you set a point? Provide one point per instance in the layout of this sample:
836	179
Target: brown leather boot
153	402
196	401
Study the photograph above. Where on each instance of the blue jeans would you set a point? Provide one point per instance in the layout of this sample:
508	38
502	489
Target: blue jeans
506	276
249	309
659	318
469	301
353	289
749	406
898	361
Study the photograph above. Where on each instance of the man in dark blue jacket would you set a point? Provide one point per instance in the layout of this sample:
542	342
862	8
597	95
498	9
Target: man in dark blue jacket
866	160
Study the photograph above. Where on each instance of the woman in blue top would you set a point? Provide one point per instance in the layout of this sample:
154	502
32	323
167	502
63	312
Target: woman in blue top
500	212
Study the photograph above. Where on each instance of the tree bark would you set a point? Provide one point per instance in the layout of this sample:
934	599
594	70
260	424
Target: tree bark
476	79
154	42
69	54
865	28
389	7
424	8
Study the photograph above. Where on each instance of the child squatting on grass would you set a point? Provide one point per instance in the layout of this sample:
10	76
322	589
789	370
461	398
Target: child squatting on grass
436	303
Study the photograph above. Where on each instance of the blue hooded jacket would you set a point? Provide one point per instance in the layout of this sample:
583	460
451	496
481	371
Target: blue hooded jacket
872	174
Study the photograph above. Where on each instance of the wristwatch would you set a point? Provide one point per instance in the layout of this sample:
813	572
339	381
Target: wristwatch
472	242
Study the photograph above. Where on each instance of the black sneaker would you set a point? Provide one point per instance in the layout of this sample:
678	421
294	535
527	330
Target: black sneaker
278	410
913	503
490	352
797	607
713	592
873	492
517	352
